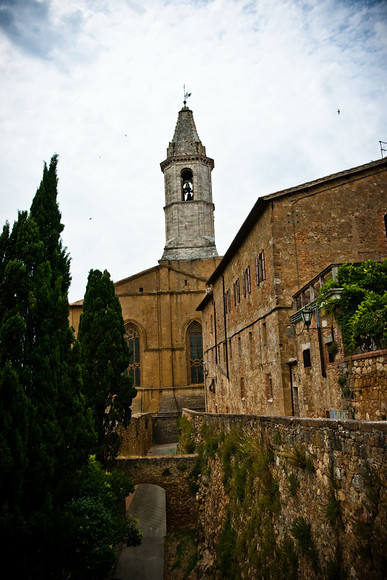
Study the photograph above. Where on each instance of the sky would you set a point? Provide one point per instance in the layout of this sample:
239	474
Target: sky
100	83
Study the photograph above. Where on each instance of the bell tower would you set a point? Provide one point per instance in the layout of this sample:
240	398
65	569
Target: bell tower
189	209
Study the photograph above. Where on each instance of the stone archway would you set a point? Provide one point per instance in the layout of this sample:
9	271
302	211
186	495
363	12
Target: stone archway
171	473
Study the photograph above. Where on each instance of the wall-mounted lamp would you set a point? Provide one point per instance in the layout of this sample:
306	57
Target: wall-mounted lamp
306	315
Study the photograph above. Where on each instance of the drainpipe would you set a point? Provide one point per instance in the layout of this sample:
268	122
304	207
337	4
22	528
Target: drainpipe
320	345
216	340
291	386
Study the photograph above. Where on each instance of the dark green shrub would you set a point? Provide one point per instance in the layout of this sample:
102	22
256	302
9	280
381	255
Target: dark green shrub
302	532
226	548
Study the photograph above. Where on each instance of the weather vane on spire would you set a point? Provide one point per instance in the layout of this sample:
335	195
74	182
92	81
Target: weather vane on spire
186	95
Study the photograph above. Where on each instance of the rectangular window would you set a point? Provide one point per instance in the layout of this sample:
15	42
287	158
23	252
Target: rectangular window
306	357
260	269
269	388
227	302
248	279
242	386
237	290
244	284
262	258
264	335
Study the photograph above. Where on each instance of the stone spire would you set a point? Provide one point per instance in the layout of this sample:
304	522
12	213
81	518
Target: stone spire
189	209
185	140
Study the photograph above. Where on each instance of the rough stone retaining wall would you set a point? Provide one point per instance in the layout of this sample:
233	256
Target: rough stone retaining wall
137	437
366	376
326	476
172	474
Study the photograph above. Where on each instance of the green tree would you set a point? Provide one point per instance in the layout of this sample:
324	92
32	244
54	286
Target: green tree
96	523
105	358
20	252
361	310
44	433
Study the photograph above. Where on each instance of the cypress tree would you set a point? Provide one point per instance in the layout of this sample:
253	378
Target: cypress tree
20	251
44	433
105	358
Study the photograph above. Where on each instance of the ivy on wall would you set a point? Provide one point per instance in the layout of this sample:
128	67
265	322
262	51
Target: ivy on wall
361	310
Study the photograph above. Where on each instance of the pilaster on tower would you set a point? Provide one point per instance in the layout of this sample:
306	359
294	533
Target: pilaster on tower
189	209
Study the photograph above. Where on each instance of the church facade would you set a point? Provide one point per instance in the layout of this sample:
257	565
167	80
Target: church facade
163	327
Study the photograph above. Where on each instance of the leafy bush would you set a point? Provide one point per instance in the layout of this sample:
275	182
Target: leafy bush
95	522
361	311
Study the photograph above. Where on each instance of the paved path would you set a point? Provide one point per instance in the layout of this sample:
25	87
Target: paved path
146	562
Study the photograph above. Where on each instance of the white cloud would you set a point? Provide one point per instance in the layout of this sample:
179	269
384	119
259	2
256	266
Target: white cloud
101	83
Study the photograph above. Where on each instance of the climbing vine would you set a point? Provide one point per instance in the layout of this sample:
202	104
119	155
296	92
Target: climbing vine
361	310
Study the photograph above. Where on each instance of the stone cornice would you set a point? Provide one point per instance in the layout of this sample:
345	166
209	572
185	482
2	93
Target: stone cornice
192	201
186	159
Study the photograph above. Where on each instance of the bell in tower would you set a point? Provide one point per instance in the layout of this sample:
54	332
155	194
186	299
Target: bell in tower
189	209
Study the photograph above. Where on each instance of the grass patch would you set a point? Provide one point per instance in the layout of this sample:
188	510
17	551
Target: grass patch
302	532
297	456
185	429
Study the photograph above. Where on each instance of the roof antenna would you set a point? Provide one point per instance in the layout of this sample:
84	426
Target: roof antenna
382	149
186	95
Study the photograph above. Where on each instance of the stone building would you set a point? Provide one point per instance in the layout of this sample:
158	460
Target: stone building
163	327
324	381
254	355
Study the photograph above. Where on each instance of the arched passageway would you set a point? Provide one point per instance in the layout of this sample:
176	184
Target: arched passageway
145	562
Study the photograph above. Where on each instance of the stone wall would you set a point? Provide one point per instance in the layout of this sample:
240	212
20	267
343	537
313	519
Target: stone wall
172	473
283	497
366	380
138	436
165	429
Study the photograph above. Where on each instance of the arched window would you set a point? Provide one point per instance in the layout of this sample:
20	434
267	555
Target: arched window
187	185
134	368
195	346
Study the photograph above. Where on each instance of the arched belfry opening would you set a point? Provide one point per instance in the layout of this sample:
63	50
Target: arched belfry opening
187	191
195	353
